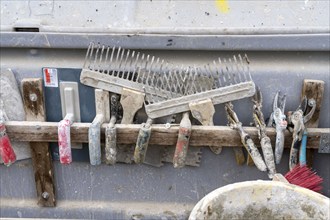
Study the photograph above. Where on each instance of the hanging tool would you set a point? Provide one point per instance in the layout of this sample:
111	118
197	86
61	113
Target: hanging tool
111	132
221	82
160	88
182	144
301	175
116	68
142	141
71	113
198	87
278	119
94	132
265	143
297	120
124	72
7	152
246	140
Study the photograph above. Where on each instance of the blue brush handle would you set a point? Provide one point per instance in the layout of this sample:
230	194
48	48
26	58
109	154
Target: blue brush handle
302	153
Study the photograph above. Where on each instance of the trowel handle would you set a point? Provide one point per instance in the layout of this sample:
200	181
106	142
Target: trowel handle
7	153
254	153
267	151
279	145
142	143
111	142
64	139
182	143
294	154
302	152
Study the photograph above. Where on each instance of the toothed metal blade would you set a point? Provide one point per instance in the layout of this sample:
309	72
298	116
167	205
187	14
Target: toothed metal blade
193	158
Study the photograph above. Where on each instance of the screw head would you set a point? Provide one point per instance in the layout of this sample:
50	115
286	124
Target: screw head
45	195
33	97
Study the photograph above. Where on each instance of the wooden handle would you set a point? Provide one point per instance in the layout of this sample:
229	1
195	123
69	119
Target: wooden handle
142	143
182	145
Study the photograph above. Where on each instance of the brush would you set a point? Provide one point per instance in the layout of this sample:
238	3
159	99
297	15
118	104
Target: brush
301	175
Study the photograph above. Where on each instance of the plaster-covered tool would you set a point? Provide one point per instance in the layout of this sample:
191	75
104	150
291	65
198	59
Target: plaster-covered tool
111	132
265	143
102	108
222	81
301	174
182	144
13	109
246	140
278	119
7	152
198	89
297	120
122	71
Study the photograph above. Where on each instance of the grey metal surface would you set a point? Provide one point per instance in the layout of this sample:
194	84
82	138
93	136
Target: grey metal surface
324	144
283	42
252	25
85	191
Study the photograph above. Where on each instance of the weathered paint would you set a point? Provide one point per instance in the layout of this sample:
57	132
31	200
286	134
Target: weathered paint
182	144
222	5
111	142
142	143
7	153
64	140
94	140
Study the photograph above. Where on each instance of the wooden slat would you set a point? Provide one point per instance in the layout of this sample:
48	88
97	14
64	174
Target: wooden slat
313	89
127	134
41	157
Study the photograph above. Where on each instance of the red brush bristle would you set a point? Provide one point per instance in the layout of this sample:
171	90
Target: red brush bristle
305	177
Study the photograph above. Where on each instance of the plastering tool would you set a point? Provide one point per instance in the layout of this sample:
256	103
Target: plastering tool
278	119
7	152
94	132
265	143
222	81
297	121
198	89
246	140
182	144
122	71
111	132
71	113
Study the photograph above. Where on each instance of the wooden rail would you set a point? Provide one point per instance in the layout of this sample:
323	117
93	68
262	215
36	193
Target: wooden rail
33	131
